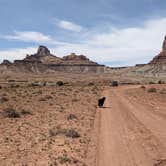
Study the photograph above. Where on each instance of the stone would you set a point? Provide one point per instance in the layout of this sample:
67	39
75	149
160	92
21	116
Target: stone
164	44
44	61
161	57
6	62
43	51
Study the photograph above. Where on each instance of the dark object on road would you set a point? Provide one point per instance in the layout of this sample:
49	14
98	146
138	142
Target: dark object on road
114	83
101	102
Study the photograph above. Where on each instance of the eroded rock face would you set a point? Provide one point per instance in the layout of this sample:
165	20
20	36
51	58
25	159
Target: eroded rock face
43	51
77	59
43	55
164	44
73	56
161	57
6	62
44	61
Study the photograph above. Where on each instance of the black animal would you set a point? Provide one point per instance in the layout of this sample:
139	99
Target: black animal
101	102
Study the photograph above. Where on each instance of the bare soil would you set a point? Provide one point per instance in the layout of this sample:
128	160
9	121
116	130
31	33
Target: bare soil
61	125
54	124
132	127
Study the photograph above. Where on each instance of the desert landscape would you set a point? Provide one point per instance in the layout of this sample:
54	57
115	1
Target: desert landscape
49	112
83	83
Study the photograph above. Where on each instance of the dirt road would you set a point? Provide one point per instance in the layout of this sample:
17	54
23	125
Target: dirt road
130	134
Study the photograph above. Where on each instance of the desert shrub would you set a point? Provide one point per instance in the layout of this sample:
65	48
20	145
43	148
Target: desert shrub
114	83
26	112
151	82
143	87
71	117
11	113
14	86
64	159
59	83
3	99
72	133
152	90
11	80
160	82
91	84
75	100
66	132
0	87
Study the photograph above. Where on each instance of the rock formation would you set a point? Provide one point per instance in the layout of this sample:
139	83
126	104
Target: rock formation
77	59
157	66
44	61
164	44
161	57
6	62
43	55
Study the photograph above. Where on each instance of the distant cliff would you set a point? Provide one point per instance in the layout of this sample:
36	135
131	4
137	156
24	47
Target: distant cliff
44	62
157	66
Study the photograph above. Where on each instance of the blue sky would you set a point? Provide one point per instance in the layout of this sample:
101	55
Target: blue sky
112	32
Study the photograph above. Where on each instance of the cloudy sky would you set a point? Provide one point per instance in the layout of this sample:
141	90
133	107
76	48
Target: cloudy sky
111	32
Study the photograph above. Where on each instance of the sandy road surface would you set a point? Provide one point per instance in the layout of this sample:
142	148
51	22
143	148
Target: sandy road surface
129	133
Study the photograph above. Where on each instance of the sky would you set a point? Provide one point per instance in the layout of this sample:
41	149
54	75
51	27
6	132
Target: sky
110	32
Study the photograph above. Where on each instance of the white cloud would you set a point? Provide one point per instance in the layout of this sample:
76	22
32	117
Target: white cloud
67	25
29	36
128	45
13	54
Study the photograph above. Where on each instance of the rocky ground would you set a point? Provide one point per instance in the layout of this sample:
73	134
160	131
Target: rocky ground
46	125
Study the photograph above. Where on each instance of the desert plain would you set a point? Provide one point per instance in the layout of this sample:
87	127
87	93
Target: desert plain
50	120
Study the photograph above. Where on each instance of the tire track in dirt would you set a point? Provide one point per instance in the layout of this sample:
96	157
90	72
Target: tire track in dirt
128	135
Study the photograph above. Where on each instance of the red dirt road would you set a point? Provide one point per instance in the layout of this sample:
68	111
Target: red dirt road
130	134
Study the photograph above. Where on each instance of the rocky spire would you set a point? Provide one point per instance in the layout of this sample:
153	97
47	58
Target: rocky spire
43	51
161	57
164	44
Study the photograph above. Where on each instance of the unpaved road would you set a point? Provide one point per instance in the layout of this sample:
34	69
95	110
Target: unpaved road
130	134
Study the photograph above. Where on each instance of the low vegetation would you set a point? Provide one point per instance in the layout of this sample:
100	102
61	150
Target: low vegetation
152	90
11	113
114	83
3	99
59	83
65	132
71	117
